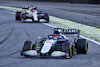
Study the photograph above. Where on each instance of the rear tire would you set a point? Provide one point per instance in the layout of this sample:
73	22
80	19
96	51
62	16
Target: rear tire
82	46
28	45
17	15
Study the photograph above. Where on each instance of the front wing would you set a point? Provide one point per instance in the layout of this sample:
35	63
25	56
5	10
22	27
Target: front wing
55	54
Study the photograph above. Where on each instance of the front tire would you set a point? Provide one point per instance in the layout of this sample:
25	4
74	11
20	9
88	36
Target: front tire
47	18
28	45
68	47
17	15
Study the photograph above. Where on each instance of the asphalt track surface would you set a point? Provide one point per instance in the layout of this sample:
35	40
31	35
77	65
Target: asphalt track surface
13	34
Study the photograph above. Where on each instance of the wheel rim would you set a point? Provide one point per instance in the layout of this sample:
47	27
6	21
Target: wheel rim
86	46
71	50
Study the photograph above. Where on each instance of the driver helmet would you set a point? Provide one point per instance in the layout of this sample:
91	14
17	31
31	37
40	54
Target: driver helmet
50	37
57	32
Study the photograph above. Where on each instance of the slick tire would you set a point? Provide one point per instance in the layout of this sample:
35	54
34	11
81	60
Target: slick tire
67	46
47	18
17	15
28	45
82	46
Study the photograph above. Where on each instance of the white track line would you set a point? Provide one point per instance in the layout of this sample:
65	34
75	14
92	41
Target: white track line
10	12
50	25
96	42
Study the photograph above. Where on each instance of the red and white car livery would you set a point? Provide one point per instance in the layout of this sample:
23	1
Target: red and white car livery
30	12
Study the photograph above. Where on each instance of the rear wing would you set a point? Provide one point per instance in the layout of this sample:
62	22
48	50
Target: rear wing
68	31
25	7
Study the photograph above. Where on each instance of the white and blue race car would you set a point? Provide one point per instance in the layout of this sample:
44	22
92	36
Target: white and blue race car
63	43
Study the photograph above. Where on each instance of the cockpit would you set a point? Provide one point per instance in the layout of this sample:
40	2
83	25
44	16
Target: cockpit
57	37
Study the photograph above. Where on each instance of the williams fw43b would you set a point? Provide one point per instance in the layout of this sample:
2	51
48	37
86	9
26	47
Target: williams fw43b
30	12
62	43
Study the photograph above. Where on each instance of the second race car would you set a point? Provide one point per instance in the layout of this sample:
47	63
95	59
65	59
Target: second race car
30	12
